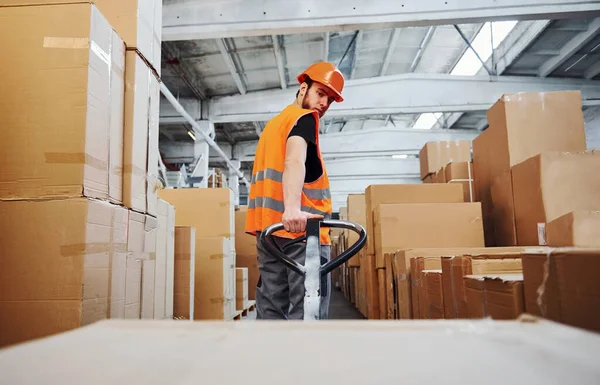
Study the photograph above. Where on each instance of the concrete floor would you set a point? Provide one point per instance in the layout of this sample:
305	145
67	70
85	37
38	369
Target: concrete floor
339	308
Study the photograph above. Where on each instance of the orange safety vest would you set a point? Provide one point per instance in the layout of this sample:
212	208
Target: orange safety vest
265	200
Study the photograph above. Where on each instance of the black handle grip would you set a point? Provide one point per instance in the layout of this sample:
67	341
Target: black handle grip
267	242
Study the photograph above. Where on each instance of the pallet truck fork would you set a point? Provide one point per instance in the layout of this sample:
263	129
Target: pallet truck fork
312	270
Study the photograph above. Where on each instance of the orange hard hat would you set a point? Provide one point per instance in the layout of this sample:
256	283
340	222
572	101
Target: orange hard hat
327	74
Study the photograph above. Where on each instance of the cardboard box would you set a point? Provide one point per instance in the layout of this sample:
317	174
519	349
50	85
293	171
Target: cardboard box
185	252
382	294
357	212
136	243
209	210
241	289
562	285
578	228
140	134
72	142
503	212
435	155
419	302
406	193
138	23
251	263
58	269
432	306
214	278
521	126
428	179
362	301
149	267
499	296
461	173
402	226
509	352
170	279
551	185
245	244
372	287
455	268
440	175
390	287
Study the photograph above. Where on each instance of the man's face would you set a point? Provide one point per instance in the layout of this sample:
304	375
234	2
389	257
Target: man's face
318	97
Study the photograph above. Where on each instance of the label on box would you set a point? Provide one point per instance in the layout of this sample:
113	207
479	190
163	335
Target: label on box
541	234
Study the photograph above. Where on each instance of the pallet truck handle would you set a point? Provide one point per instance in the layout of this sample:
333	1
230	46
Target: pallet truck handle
266	240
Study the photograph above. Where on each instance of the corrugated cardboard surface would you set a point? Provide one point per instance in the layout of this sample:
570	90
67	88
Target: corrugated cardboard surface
455	268
521	126
505	229
406	193
407	272
118	268
551	185
185	251
67	140
245	244
214	295
390	287
578	228
433	304
499	296
153	153
372	287
461	173
382	294
55	263
149	267
160	291
361	279
428	179
435	155
418	284
251	263
241	288
170	267
509	352
137	112
402	226
357	212
562	285
475	296
136	243
209	210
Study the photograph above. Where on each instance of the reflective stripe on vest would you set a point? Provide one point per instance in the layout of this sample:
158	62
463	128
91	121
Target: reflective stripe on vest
277	176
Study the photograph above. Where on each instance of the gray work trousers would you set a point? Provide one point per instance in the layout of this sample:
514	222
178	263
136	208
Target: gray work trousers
280	291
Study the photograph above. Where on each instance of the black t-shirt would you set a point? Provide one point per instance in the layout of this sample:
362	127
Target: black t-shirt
305	128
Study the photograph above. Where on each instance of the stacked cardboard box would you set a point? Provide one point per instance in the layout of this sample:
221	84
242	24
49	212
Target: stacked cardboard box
499	296
435	155
211	213
522	126
184	279
241	289
76	144
245	250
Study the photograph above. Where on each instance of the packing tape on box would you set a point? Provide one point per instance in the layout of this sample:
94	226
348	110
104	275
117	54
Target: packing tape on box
133	169
216	256
80	249
75	158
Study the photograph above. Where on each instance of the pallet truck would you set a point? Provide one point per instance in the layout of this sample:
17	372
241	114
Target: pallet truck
312	270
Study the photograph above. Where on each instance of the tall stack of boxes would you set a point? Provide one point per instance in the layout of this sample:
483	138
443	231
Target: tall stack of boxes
211	213
514	230
78	206
245	249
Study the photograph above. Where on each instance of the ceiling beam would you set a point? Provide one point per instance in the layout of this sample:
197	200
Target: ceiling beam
378	142
193	19
422	48
231	65
174	60
429	93
279	59
390	50
593	71
326	46
569	49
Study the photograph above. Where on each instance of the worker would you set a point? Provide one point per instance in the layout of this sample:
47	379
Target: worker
290	185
